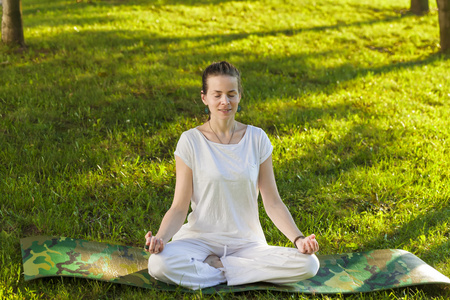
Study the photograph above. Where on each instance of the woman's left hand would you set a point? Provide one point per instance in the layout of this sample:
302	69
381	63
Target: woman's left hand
308	245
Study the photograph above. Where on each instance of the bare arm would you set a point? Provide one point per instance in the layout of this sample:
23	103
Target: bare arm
278	212
176	215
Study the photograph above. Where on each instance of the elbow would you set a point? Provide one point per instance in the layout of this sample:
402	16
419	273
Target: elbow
180	211
274	205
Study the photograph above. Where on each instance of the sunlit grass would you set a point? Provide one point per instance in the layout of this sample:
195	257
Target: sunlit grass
353	94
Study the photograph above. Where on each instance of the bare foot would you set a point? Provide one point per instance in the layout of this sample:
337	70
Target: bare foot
214	261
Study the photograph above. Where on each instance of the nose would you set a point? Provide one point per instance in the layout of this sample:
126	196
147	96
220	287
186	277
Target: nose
225	99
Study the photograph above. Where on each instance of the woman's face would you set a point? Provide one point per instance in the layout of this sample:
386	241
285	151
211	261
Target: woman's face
222	96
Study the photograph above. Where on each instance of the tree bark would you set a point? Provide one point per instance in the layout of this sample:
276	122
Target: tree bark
12	26
419	7
444	24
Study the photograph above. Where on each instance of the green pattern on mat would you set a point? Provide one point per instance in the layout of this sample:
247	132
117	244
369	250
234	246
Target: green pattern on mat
45	256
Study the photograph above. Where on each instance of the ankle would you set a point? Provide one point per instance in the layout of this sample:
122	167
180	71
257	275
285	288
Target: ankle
214	261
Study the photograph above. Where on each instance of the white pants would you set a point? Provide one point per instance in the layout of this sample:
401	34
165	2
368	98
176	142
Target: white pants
181	262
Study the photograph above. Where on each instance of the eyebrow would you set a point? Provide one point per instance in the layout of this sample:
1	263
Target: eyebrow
230	91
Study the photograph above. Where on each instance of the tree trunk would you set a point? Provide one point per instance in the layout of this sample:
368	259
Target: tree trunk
12	28
419	7
444	24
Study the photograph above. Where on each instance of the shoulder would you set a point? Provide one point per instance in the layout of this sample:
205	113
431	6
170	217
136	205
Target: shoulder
189	137
190	134
259	139
256	131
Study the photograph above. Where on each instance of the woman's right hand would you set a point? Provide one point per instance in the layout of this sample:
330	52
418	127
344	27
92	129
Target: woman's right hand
153	244
308	245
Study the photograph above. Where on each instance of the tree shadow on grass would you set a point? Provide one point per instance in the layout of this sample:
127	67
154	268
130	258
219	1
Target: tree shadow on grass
61	19
37	7
294	69
293	72
193	2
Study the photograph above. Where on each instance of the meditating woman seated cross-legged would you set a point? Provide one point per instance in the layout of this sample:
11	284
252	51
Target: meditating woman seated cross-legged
221	166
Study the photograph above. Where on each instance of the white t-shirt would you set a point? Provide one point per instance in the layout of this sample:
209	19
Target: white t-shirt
225	187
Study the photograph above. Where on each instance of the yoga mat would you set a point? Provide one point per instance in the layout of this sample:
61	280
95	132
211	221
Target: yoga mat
45	256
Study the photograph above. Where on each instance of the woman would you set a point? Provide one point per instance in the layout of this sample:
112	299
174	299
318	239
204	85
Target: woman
221	166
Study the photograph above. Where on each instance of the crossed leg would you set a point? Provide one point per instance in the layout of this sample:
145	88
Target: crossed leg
194	264
262	262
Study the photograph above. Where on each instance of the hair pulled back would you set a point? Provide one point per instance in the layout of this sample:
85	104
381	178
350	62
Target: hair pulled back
220	68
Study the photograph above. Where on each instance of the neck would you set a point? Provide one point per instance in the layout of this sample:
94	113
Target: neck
221	135
222	127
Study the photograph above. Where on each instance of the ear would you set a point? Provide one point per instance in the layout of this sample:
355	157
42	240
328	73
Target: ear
204	98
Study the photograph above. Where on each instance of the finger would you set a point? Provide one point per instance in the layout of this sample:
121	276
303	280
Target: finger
309	246
311	238
302	247
157	244
160	245
312	243
315	247
152	244
147	238
147	241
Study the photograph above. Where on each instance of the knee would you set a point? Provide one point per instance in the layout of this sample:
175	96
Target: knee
157	266
308	268
311	267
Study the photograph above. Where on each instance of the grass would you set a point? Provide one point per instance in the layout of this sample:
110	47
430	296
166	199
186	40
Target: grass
353	94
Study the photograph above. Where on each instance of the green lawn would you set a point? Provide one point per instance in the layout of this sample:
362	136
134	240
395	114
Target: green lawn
353	94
